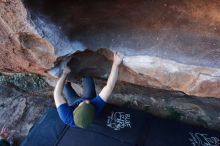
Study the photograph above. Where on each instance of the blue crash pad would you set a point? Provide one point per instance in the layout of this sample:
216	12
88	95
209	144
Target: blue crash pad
164	132
117	126
46	131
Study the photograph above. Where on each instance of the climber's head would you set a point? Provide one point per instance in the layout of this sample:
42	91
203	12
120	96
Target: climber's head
84	114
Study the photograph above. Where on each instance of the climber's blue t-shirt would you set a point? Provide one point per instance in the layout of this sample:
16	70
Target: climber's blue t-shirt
66	112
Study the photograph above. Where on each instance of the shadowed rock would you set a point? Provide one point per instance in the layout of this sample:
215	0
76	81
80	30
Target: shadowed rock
170	45
149	72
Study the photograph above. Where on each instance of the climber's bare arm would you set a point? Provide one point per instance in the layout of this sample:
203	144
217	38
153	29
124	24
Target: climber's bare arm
112	79
59	99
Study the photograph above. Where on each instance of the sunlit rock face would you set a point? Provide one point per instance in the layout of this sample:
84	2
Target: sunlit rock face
22	49
171	45
150	71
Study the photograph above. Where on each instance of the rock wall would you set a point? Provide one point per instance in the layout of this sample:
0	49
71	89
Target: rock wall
23	100
150	71
22	49
172	45
185	31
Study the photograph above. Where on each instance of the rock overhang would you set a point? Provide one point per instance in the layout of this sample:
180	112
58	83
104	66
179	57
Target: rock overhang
170	30
167	44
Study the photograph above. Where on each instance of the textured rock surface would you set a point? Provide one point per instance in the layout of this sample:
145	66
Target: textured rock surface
172	45
22	104
166	74
150	71
183	36
186	31
174	105
22	49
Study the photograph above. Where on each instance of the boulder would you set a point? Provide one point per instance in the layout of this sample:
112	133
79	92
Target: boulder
22	49
172	45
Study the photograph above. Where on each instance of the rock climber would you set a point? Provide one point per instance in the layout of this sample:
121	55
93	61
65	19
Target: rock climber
81	110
